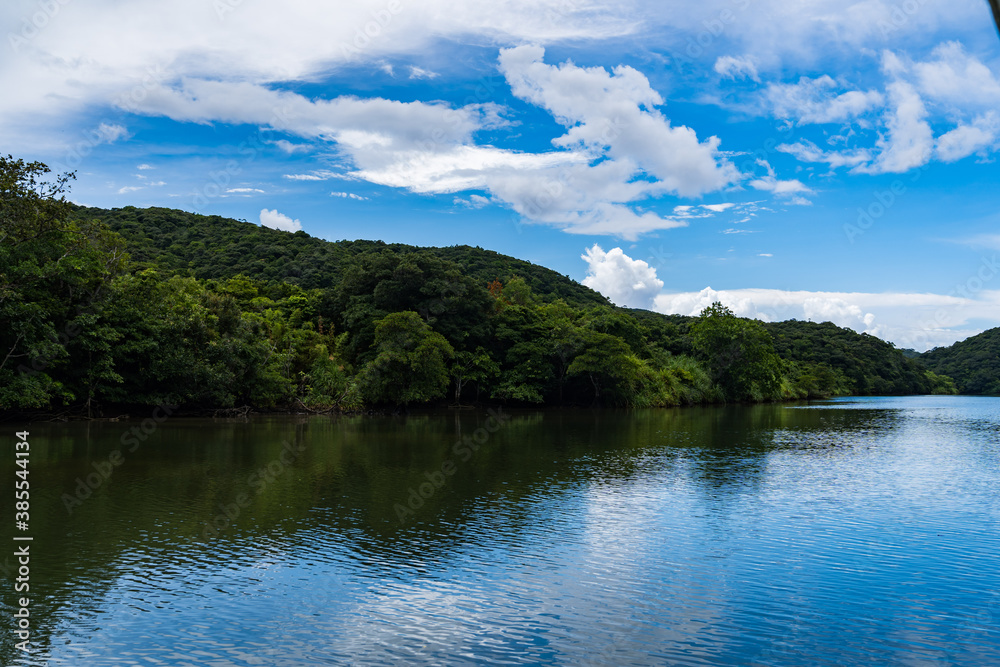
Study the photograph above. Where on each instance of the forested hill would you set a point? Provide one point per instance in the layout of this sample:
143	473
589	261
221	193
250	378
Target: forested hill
129	308
216	247
833	360
974	363
221	248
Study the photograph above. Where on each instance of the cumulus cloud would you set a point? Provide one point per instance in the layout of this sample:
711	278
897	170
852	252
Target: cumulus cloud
732	67
950	84
957	79
982	134
616	112
243	191
909	142
276	220
627	282
618	148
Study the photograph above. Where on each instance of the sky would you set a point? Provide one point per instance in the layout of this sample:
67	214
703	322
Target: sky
825	161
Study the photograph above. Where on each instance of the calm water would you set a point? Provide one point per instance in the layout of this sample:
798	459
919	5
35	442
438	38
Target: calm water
862	531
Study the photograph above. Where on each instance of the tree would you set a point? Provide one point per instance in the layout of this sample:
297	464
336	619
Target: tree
739	353
475	366
52	274
611	367
410	365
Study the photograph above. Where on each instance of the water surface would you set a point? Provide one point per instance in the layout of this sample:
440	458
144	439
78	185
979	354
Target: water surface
856	531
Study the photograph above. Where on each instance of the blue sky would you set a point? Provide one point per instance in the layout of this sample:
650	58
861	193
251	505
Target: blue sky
816	160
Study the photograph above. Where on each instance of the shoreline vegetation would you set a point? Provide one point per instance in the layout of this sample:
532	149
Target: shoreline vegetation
115	312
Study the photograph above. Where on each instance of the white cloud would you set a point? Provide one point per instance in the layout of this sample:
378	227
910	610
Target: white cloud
109	133
144	166
742	67
806	151
474	201
616	112
627	282
718	208
276	220
129	188
792	190
813	101
348	195
910	140
919	321
618	149
765	254
421	73
957	79
243	190
290	148
978	136
321	175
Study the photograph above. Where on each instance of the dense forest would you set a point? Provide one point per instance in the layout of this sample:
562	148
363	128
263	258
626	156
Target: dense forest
104	310
974	363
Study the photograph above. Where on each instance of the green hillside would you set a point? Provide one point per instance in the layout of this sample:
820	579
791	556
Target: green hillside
141	307
974	363
215	247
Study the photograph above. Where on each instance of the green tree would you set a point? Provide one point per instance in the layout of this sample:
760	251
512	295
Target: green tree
613	370
410	364
53	271
476	367
739	353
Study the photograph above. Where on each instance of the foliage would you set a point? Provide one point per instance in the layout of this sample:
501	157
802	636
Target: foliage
974	363
739	354
411	364
211	313
53	272
871	366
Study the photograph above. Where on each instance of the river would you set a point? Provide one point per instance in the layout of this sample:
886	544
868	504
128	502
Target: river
855	531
